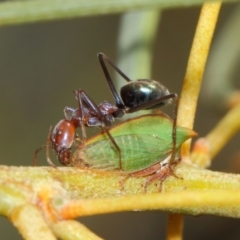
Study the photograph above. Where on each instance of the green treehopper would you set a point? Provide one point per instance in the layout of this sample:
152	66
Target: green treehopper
145	143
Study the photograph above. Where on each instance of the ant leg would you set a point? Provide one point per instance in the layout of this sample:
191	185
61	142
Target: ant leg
175	111
47	151
174	133
80	107
115	145
113	90
161	175
171	167
88	102
77	140
85	101
36	153
102	57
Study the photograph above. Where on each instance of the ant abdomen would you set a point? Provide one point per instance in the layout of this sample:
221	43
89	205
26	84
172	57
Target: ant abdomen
136	93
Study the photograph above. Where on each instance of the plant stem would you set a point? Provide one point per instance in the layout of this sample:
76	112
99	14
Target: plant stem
18	12
175	227
192	82
195	68
69	229
31	223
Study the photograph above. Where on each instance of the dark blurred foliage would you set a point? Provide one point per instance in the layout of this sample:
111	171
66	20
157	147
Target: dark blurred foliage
41	64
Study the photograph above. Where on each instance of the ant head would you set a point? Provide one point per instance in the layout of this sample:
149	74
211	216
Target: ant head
142	91
62	138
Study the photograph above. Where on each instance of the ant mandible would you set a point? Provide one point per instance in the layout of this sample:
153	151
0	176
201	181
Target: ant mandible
142	94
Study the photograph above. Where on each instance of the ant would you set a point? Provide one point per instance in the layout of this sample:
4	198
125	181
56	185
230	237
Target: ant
142	94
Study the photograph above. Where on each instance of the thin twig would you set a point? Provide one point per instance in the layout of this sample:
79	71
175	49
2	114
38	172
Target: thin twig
226	201
31	223
175	227
70	229
192	82
205	149
195	67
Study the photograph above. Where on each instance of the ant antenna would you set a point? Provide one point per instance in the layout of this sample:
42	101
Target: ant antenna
47	148
47	145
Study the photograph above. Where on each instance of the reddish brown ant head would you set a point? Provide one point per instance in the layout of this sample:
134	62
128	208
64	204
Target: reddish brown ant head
62	139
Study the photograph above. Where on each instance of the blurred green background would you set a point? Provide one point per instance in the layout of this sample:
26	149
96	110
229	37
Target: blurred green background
41	64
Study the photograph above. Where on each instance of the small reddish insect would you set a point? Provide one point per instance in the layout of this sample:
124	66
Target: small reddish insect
61	139
135	95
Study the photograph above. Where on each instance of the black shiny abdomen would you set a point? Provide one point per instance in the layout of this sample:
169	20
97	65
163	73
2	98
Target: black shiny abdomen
142	91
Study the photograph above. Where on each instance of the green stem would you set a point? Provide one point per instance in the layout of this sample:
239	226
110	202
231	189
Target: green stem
70	229
57	191
17	12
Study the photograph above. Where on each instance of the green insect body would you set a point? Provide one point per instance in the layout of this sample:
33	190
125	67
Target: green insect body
143	141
